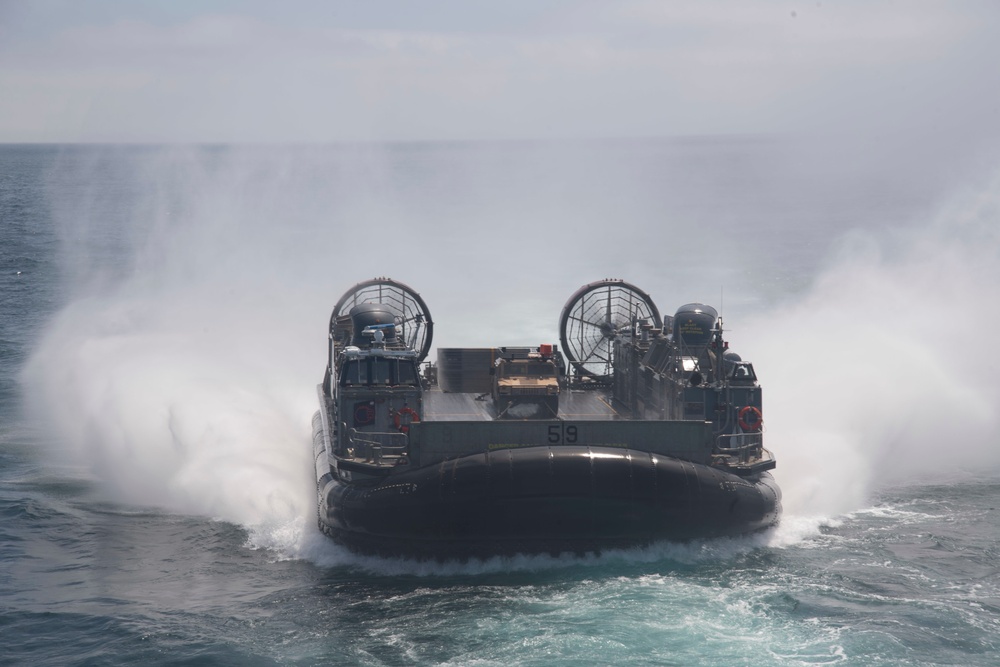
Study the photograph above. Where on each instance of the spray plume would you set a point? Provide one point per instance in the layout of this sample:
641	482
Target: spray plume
883	372
183	371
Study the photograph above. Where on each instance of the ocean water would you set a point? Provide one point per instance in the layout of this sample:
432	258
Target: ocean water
162	330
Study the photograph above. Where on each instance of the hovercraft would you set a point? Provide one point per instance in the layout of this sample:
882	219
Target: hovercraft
652	431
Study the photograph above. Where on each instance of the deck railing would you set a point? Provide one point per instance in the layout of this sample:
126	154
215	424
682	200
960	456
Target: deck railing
376	446
744	446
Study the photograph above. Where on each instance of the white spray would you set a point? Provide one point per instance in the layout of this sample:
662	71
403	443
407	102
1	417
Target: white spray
185	376
884	372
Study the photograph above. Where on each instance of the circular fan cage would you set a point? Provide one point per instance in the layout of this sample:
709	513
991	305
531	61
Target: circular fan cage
593	317
413	320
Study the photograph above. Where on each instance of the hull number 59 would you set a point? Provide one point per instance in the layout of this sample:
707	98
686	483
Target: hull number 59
562	434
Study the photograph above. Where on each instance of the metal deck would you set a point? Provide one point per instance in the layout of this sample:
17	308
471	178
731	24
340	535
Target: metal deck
573	405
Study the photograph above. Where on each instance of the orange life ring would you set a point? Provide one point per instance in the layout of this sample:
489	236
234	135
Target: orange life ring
758	418
414	417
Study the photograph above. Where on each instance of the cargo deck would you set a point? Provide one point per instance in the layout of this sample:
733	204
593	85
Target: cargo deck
577	405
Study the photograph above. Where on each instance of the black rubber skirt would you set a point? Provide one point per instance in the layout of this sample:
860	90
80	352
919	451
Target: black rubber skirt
543	500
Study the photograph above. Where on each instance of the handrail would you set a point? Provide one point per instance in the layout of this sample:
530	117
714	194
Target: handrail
375	445
755	445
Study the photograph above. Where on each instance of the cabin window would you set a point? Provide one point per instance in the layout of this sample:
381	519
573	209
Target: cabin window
350	373
743	372
407	373
379	371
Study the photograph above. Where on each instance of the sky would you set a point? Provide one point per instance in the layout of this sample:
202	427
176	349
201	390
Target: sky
397	70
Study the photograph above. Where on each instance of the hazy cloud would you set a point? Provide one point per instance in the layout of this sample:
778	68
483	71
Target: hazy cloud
108	71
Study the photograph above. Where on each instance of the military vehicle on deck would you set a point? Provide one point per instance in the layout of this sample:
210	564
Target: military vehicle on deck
526	383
